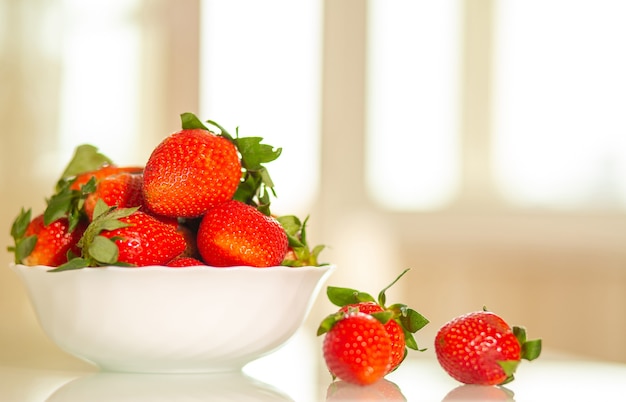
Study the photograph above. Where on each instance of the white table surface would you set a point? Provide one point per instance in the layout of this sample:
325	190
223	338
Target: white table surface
296	373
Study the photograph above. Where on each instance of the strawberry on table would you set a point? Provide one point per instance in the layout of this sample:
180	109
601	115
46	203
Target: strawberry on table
39	244
400	321
481	348
234	233
357	348
393	328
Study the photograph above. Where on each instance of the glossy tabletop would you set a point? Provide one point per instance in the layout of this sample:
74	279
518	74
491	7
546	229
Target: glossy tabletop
296	373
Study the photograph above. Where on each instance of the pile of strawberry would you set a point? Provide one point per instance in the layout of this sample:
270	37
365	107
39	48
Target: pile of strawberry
366	340
202	198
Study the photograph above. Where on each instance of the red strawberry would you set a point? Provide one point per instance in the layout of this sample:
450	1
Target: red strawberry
126	236
178	262
234	233
356	348
146	241
481	348
393	328
40	244
189	231
102	172
79	179
123	190
190	172
400	321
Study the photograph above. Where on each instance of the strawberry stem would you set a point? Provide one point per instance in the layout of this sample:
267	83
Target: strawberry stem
382	299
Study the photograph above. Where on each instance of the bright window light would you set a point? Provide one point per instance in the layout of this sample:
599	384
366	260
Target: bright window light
100	78
260	71
560	96
412	103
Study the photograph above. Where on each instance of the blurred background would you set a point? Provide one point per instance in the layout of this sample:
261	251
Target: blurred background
480	143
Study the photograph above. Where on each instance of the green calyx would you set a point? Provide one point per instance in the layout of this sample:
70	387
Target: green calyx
86	159
530	350
410	320
23	246
330	320
256	184
509	367
66	202
98	250
296	235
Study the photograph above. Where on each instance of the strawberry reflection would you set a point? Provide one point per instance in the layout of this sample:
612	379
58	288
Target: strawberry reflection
382	390
470	392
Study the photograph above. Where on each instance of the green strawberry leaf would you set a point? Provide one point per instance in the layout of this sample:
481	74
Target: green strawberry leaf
509	367
531	349
86	158
408	318
383	316
74	263
293	227
316	252
20	224
66	202
254	154
190	121
343	296
256	184
100	208
58	205
296	236
328	322
23	246
97	250
410	341
382	299
103	250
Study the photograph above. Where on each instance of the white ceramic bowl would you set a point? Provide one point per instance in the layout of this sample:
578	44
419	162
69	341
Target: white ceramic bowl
169	320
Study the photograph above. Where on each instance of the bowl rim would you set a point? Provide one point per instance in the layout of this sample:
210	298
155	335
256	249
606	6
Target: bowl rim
162	268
